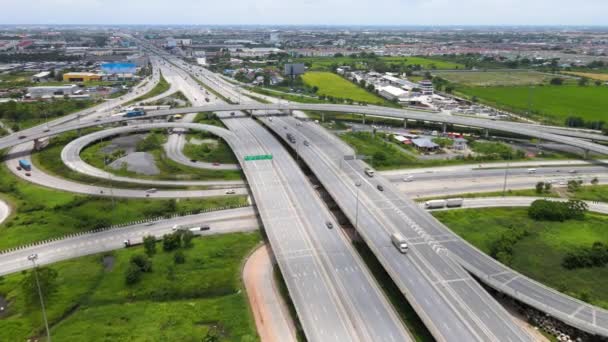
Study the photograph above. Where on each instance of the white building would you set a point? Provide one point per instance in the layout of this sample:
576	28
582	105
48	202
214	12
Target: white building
426	87
41	76
392	92
50	91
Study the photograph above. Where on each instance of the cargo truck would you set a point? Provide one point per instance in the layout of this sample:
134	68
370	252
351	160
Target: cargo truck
435	204
134	113
454	202
399	242
25	165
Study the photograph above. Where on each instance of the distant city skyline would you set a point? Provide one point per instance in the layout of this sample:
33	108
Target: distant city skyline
306	12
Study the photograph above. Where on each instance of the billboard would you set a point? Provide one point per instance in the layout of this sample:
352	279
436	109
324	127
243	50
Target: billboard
294	69
119	68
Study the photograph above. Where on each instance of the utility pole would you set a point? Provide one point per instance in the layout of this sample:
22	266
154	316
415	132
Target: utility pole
33	258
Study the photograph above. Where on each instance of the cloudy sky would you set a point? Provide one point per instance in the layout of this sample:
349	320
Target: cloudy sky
327	12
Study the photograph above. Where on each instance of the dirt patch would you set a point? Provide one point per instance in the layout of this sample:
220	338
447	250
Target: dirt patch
127	143
108	262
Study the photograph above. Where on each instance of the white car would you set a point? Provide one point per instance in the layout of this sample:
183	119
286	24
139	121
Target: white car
230	192
408	178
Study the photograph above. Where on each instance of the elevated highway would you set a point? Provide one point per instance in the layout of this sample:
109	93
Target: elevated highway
565	308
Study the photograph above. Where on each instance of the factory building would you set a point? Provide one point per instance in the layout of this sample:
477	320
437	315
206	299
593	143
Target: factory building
81	77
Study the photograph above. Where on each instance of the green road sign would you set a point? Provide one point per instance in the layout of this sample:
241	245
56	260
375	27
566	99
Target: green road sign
259	157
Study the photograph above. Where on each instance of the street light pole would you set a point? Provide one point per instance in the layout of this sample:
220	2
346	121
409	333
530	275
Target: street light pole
33	258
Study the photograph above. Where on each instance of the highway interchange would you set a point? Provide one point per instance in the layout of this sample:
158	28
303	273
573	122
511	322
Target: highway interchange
319	264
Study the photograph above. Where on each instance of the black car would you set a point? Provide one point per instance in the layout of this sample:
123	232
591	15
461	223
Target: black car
380	187
329	225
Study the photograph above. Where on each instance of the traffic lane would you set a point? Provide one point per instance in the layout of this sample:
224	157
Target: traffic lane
556	172
346	268
229	221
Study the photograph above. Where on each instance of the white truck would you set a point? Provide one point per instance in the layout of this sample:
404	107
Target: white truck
435	204
369	172
194	228
454	202
399	242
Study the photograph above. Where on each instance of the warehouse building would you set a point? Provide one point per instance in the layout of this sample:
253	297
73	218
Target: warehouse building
81	77
50	91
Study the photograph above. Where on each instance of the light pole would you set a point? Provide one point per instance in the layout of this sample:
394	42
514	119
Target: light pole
33	258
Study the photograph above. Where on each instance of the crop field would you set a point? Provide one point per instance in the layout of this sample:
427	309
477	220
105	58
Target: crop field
333	85
540	252
495	78
552	103
593	76
324	63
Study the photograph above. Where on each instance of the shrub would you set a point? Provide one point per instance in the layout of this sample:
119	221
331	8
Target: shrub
557	211
171	241
595	256
179	257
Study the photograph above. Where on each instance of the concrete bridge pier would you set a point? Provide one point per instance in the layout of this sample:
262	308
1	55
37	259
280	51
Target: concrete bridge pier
404	123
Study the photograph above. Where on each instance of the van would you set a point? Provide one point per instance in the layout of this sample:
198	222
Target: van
531	170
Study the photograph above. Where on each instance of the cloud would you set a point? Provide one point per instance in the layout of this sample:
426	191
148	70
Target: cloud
300	12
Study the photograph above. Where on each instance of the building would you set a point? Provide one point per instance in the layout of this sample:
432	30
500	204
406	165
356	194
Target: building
392	93
426	87
50	91
460	144
81	77
41	76
425	144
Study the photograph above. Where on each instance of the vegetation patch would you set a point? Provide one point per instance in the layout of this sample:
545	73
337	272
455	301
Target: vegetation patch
22	115
550	103
537	247
161	87
332	85
495	78
200	299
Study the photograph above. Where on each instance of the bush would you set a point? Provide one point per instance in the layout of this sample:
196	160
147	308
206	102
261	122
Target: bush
557	211
596	256
143	262
179	257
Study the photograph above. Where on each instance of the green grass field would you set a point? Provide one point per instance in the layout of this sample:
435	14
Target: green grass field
175	302
325	63
333	85
495	78
551	103
539	255
212	151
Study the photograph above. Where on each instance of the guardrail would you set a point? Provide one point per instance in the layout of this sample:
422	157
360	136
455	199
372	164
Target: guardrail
120	226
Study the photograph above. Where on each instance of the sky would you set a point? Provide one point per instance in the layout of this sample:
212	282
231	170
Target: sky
304	12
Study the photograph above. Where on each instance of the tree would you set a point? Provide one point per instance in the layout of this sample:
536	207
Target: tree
547	187
598	83
557	81
149	245
595	181
187	237
132	274
48	285
171	242
583	81
573	185
540	186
